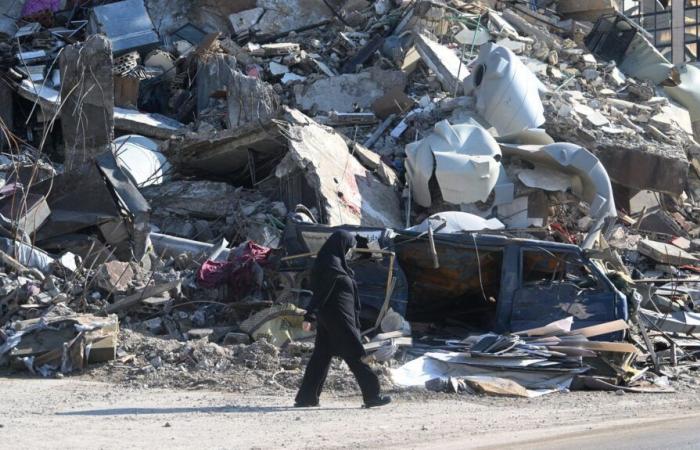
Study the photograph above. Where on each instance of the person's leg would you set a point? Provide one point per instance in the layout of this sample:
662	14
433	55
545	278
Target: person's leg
366	378
316	372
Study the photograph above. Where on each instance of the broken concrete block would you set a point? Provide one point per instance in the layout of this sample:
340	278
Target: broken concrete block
283	16
473	37
277	68
590	74
350	91
184	198
339	119
589	10
660	222
199	333
670	117
213	74
154	325
665	253
393	102
681	243
594	117
291	77
115	276
245	20
250	100
69	261
516	47
236	339
348	193
444	62
87	91
661	168
279	49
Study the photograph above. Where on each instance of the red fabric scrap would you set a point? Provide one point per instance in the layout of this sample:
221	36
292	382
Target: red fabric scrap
238	272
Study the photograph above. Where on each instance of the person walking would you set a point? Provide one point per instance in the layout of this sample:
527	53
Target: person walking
335	309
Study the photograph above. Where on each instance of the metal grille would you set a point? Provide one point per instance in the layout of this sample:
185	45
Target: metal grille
656	17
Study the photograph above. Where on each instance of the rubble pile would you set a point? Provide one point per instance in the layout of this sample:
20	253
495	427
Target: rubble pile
170	168
147	362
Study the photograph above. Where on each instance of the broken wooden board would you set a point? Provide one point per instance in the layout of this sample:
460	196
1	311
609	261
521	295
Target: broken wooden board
600	329
615	347
502	387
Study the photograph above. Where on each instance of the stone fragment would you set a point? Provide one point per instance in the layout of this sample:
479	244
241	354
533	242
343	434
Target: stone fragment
115	276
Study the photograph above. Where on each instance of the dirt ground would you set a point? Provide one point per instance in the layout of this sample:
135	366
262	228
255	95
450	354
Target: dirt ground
75	412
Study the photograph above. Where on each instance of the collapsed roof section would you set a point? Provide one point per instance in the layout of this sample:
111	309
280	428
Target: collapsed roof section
304	161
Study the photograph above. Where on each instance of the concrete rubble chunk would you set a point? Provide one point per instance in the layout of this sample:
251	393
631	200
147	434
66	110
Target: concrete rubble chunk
665	253
347	192
115	276
283	16
184	198
250	100
444	62
245	20
226	154
233	338
87	90
589	10
213	75
350	91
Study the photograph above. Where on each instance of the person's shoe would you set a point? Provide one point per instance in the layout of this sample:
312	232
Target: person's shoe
380	400
305	404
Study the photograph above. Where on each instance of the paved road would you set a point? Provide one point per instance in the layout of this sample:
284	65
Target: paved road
668	433
72	413
674	434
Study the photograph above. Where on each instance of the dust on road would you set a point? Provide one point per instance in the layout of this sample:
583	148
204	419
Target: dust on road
75	413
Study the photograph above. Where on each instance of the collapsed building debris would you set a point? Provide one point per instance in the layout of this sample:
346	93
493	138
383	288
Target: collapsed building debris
523	185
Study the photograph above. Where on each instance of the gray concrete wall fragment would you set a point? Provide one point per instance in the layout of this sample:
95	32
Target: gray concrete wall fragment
87	92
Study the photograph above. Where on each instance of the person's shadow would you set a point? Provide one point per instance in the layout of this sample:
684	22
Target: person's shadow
186	410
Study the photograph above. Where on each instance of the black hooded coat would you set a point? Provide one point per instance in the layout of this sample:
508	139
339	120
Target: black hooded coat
335	304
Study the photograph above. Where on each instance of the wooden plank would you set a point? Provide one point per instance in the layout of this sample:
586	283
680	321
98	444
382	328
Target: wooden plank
617	347
603	328
573	351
